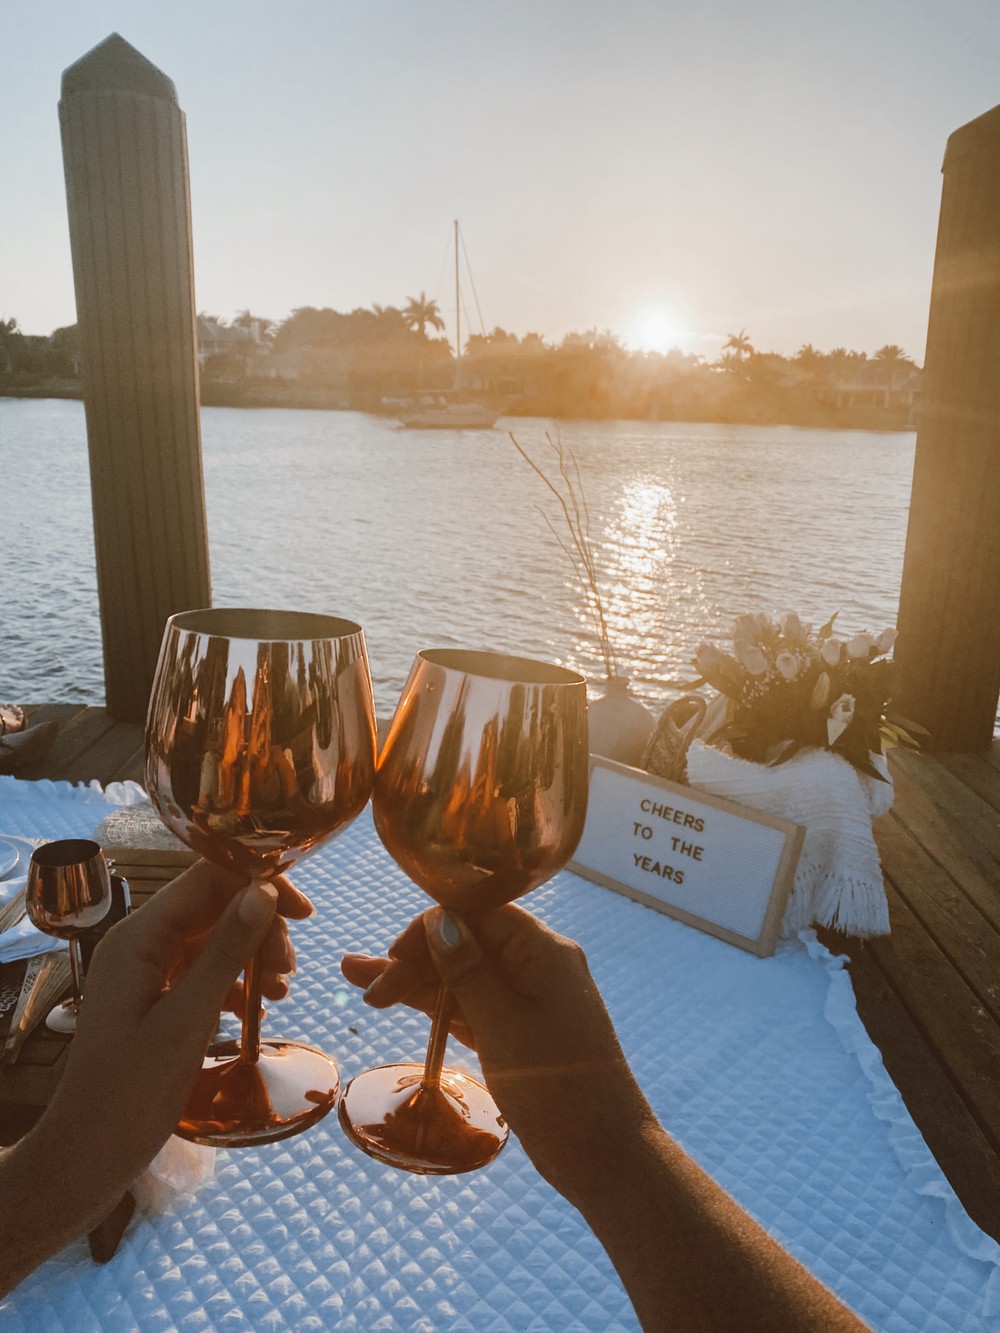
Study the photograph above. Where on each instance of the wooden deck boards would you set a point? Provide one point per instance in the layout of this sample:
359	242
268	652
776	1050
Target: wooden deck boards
929	994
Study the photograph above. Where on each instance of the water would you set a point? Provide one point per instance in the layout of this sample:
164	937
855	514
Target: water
434	538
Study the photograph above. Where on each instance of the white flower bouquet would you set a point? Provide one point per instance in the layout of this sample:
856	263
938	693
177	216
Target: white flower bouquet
789	689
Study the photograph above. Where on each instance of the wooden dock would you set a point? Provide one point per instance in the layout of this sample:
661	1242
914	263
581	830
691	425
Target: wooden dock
929	994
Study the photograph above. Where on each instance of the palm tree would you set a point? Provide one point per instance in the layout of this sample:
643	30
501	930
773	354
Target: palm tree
739	344
892	357
257	327
419	312
390	323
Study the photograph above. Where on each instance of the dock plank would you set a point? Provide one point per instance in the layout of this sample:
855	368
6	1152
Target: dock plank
976	772
961	1036
89	744
967	812
969	864
965	1155
968	939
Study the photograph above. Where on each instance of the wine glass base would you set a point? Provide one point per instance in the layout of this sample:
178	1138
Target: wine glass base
236	1104
63	1018
432	1132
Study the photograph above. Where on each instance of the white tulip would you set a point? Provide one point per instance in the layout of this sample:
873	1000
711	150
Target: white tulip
885	641
750	657
792	627
821	692
831	650
841	715
860	646
788	665
707	658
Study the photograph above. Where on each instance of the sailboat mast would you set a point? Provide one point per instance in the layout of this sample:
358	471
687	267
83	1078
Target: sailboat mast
458	306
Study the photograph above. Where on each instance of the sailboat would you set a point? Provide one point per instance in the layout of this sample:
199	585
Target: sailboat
443	409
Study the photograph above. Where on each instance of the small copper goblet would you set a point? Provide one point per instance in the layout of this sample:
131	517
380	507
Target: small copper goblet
69	891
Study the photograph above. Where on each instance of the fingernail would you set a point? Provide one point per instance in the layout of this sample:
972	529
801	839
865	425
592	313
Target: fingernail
372	989
449	931
257	904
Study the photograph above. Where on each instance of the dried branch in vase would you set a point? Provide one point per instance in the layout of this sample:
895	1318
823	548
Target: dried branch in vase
577	545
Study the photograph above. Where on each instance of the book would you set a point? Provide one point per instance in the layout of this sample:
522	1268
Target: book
29	988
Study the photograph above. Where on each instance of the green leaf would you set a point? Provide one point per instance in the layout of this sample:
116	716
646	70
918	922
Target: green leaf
913	727
827	629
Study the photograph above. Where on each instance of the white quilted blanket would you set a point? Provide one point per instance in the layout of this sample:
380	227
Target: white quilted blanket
760	1067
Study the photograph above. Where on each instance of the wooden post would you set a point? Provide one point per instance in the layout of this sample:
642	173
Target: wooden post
125	158
948	652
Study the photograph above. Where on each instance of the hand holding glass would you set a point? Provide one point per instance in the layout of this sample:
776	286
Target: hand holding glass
260	745
480	796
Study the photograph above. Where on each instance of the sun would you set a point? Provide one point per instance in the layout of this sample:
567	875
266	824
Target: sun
657	329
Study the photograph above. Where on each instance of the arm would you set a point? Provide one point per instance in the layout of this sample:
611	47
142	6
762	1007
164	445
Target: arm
156	986
688	1255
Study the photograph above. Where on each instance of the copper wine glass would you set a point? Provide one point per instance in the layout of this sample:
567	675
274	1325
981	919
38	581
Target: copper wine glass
68	892
260	745
480	796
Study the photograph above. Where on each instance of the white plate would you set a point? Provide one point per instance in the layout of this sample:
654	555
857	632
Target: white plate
15	853
9	857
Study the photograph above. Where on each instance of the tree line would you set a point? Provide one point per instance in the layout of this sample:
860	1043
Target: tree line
368	357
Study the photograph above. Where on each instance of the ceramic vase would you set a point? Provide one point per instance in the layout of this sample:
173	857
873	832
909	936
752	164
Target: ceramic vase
620	725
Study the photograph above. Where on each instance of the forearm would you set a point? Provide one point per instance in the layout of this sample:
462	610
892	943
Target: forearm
690	1257
53	1190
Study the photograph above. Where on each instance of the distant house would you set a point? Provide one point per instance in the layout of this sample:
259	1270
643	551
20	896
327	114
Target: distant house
876	383
215	339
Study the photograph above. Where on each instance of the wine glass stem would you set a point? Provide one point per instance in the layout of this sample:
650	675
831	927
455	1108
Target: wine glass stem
76	971
250	1034
438	1040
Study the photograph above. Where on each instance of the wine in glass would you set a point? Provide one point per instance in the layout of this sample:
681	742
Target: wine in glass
68	892
260	745
480	796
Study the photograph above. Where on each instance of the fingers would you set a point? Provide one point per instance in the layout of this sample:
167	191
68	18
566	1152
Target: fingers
205	985
277	953
412	943
193	900
360	969
418	988
277	960
388	981
291	902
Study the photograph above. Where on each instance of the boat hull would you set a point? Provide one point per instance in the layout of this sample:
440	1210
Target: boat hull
465	416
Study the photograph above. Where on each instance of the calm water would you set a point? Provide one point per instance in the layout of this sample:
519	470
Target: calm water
434	538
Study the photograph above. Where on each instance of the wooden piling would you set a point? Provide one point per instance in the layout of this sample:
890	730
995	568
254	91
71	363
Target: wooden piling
125	159
948	652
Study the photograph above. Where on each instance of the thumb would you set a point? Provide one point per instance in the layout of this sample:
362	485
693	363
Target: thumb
463	966
237	936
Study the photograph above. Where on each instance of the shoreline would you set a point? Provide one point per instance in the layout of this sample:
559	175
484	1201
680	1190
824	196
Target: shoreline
890	421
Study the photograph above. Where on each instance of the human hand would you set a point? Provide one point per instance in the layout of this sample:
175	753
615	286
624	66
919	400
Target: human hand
526	1002
156	985
276	953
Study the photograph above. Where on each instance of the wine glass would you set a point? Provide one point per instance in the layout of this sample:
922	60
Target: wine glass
68	892
480	795
260	745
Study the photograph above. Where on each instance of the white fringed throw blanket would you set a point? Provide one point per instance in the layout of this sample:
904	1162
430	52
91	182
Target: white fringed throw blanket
838	881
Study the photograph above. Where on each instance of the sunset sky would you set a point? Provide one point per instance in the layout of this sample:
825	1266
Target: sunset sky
670	172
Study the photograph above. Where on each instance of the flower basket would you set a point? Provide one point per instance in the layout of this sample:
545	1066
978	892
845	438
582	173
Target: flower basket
806	721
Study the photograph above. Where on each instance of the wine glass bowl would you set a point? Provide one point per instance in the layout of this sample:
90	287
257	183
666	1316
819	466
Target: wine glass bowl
480	796
260	745
260	740
481	787
68	891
